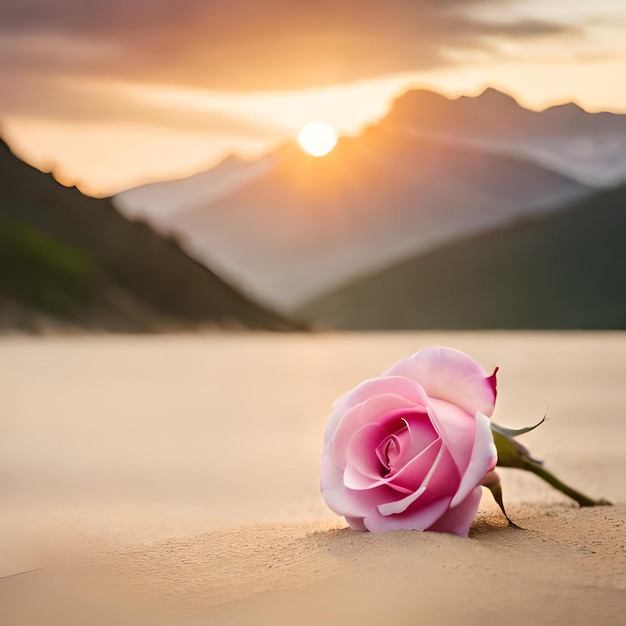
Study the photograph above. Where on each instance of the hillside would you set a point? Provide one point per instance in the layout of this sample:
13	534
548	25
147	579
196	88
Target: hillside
565	270
288	227
70	260
310	224
160	203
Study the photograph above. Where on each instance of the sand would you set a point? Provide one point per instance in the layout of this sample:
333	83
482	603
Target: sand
173	480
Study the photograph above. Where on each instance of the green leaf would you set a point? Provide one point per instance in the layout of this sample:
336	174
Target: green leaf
515	432
513	454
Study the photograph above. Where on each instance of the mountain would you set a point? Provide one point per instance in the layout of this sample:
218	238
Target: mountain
433	170
159	203
564	270
589	147
310	224
490	113
70	260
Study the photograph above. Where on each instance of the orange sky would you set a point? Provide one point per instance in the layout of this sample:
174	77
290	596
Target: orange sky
112	94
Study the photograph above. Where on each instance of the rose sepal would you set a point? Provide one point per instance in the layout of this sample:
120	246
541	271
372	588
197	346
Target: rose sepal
513	454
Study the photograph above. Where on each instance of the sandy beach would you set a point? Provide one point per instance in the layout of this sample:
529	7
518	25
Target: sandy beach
174	480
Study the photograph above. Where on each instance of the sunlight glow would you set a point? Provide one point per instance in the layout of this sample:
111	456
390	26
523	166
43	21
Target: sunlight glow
317	138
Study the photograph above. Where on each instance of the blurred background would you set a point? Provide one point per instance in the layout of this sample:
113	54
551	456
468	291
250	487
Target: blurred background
218	216
284	165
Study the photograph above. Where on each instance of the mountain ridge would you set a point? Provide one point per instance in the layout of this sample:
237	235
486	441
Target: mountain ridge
77	262
554	271
452	166
308	203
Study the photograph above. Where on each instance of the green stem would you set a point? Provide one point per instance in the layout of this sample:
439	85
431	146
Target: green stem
579	497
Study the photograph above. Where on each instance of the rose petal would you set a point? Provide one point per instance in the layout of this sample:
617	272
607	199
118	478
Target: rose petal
457	429
363	469
356	523
356	503
344	501
450	375
483	460
400	385
443	482
411	476
392	385
399	506
421	431
380	409
330	475
419	519
459	519
415	436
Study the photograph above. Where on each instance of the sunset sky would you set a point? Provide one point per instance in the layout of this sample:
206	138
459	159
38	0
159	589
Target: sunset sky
110	94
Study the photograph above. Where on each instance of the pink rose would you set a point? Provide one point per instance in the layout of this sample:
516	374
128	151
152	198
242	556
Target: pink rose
408	450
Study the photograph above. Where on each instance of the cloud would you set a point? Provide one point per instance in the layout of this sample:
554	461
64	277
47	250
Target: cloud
242	45
45	97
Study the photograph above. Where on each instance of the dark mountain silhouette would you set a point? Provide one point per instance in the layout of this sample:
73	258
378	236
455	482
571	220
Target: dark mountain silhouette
72	260
496	114
590	147
564	270
490	113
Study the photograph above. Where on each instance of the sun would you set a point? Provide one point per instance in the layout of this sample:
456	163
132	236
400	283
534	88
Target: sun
317	138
